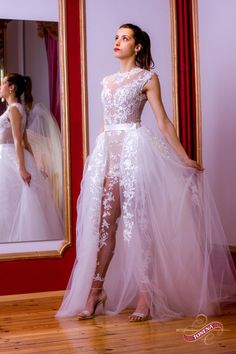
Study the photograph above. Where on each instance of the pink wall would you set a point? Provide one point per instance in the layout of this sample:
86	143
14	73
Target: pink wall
217	39
43	10
36	65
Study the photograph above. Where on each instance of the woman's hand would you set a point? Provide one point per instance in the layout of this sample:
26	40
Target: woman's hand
25	175
194	164
153	92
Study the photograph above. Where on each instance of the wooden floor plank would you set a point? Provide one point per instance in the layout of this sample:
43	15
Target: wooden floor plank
28	325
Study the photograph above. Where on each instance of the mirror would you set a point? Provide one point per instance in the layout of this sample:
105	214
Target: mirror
26	33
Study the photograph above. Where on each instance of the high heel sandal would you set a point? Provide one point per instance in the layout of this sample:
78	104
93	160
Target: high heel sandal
101	300
140	317
142	312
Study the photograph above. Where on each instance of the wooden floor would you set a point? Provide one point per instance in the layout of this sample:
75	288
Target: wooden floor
28	325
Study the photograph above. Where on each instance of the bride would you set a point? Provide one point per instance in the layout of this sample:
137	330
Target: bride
28	212
148	233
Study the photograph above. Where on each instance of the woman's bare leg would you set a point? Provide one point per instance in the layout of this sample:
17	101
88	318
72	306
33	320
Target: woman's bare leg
142	310
110	212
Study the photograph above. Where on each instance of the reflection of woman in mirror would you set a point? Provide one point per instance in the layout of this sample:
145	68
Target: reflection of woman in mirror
148	233
28	212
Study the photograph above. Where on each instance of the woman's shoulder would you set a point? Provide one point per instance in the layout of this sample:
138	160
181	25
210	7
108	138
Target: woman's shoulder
15	104
144	73
18	106
106	78
137	71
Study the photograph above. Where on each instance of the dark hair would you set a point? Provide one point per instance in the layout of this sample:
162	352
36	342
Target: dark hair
143	58
23	84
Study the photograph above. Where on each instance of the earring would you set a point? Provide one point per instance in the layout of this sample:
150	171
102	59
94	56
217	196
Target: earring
136	53
10	91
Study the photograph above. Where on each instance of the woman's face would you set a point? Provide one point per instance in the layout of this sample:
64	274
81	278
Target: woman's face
124	46
4	88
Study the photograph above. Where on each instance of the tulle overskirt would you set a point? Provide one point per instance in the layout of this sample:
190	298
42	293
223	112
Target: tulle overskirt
169	243
28	213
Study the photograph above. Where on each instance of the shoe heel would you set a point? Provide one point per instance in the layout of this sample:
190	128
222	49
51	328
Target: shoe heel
100	308
86	315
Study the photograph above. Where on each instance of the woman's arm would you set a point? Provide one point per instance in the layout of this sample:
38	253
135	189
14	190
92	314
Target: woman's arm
26	143
153	92
15	119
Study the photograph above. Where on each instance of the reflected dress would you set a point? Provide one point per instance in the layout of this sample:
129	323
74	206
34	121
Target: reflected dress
169	241
28	213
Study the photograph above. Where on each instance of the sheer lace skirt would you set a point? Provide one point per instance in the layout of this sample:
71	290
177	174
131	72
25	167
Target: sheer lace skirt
169	242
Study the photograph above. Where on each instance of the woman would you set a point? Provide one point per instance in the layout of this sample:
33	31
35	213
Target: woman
28	212
148	233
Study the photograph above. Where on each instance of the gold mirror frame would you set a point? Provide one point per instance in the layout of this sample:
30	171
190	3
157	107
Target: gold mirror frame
84	85
66	150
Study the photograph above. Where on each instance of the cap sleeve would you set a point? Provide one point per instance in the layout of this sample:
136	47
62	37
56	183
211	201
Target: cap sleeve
102	82
147	77
18	106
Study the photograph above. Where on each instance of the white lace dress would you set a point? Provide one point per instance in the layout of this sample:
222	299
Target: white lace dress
28	213
169	241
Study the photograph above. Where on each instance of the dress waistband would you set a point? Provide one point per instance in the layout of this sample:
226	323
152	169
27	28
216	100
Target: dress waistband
122	126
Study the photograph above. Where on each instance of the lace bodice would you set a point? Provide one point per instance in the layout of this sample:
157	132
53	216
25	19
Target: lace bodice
6	136
123	97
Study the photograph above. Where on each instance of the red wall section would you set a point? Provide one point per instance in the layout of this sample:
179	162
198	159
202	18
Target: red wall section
25	276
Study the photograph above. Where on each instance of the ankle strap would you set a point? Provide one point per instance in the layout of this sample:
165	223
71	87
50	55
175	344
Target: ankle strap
97	288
